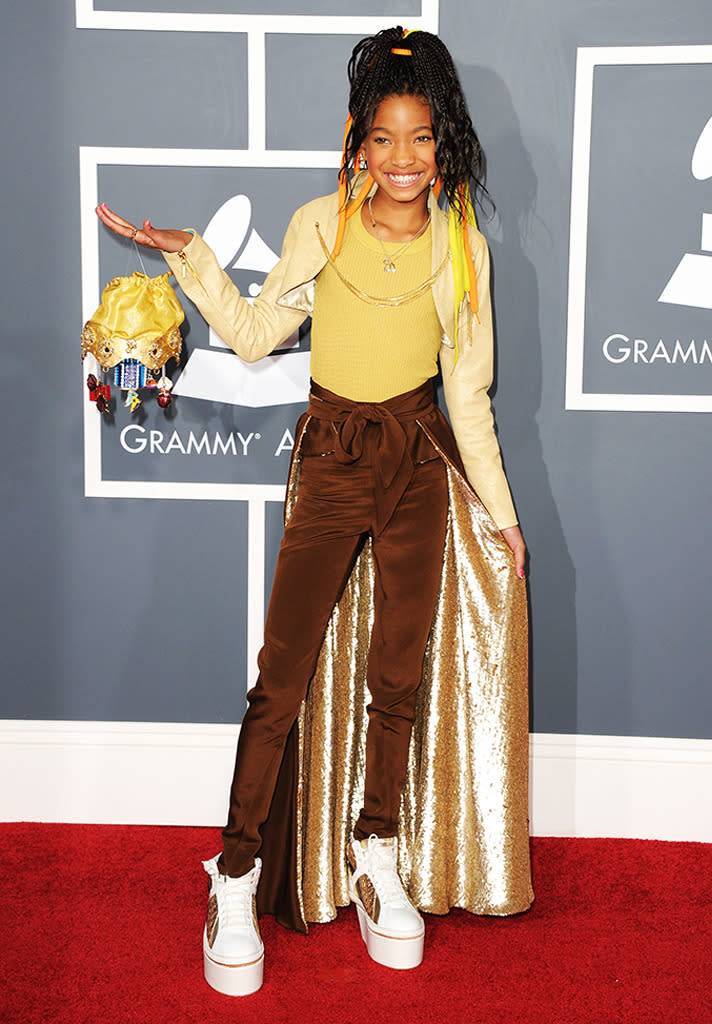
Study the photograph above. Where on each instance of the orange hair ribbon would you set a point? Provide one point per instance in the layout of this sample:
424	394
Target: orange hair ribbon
403	52
343	180
344	214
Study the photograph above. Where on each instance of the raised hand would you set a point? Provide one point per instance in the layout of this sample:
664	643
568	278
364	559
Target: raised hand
167	239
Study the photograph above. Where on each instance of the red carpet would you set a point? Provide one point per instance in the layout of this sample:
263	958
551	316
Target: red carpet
102	925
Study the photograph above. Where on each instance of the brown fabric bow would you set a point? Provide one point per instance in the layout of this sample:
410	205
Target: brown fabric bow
388	451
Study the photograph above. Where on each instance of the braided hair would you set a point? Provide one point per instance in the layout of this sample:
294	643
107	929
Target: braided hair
392	63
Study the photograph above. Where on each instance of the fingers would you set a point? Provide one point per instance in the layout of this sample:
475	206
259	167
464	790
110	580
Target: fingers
519	551
513	537
148	233
116	223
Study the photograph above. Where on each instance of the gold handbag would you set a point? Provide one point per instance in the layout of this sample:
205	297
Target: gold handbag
134	332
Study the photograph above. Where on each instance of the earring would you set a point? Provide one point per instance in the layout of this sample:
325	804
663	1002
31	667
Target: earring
362	162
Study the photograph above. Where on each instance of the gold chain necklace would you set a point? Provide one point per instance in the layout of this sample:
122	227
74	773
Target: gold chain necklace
373	300
389	266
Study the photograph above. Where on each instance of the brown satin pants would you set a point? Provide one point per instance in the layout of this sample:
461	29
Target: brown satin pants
341	500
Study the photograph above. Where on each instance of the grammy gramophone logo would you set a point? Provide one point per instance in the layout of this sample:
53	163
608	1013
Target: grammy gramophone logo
691	282
212	374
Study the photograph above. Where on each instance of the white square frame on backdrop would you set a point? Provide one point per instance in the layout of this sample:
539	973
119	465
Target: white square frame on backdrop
587	60
91	158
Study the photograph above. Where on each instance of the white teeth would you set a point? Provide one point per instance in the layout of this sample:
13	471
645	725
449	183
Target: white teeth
403	179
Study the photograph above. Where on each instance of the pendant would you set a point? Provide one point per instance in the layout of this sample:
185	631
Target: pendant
132	401
389	266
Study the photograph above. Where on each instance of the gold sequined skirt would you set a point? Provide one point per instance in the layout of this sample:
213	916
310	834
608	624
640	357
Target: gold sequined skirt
464	830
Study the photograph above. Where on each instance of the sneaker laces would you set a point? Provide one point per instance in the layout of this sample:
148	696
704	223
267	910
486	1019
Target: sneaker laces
381	869
235	901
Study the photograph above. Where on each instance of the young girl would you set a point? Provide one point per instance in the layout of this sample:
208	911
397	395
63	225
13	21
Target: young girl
430	626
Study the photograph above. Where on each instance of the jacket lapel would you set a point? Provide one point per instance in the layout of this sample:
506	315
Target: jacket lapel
306	259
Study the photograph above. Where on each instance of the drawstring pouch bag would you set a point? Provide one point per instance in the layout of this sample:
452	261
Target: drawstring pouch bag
132	335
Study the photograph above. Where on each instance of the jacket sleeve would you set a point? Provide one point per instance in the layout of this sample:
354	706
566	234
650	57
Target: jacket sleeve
254	329
466	384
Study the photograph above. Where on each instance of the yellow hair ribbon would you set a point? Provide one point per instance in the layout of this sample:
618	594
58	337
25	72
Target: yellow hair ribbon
472	273
455	237
463	267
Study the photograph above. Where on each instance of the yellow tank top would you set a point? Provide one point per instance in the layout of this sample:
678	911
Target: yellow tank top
363	351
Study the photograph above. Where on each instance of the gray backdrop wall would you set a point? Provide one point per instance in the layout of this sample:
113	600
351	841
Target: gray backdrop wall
135	608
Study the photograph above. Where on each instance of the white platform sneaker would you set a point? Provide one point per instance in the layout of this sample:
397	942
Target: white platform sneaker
391	927
233	954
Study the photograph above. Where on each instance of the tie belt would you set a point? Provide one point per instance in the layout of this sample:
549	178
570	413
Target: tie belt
393	464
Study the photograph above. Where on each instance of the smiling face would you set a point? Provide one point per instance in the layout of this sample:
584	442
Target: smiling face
400	150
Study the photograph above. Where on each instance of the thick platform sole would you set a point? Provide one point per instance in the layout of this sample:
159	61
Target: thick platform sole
234	980
402	954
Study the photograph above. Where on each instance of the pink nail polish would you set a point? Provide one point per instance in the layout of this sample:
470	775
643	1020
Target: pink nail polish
521	574
104	206
149	224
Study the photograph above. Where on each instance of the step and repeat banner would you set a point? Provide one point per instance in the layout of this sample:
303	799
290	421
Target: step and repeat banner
142	544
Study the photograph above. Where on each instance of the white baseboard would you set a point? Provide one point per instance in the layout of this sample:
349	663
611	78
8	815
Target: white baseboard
621	786
175	774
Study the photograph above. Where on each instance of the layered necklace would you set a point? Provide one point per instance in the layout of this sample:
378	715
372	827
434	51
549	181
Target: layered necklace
389	266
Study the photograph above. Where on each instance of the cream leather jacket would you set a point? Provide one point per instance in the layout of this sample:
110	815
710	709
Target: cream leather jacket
286	299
